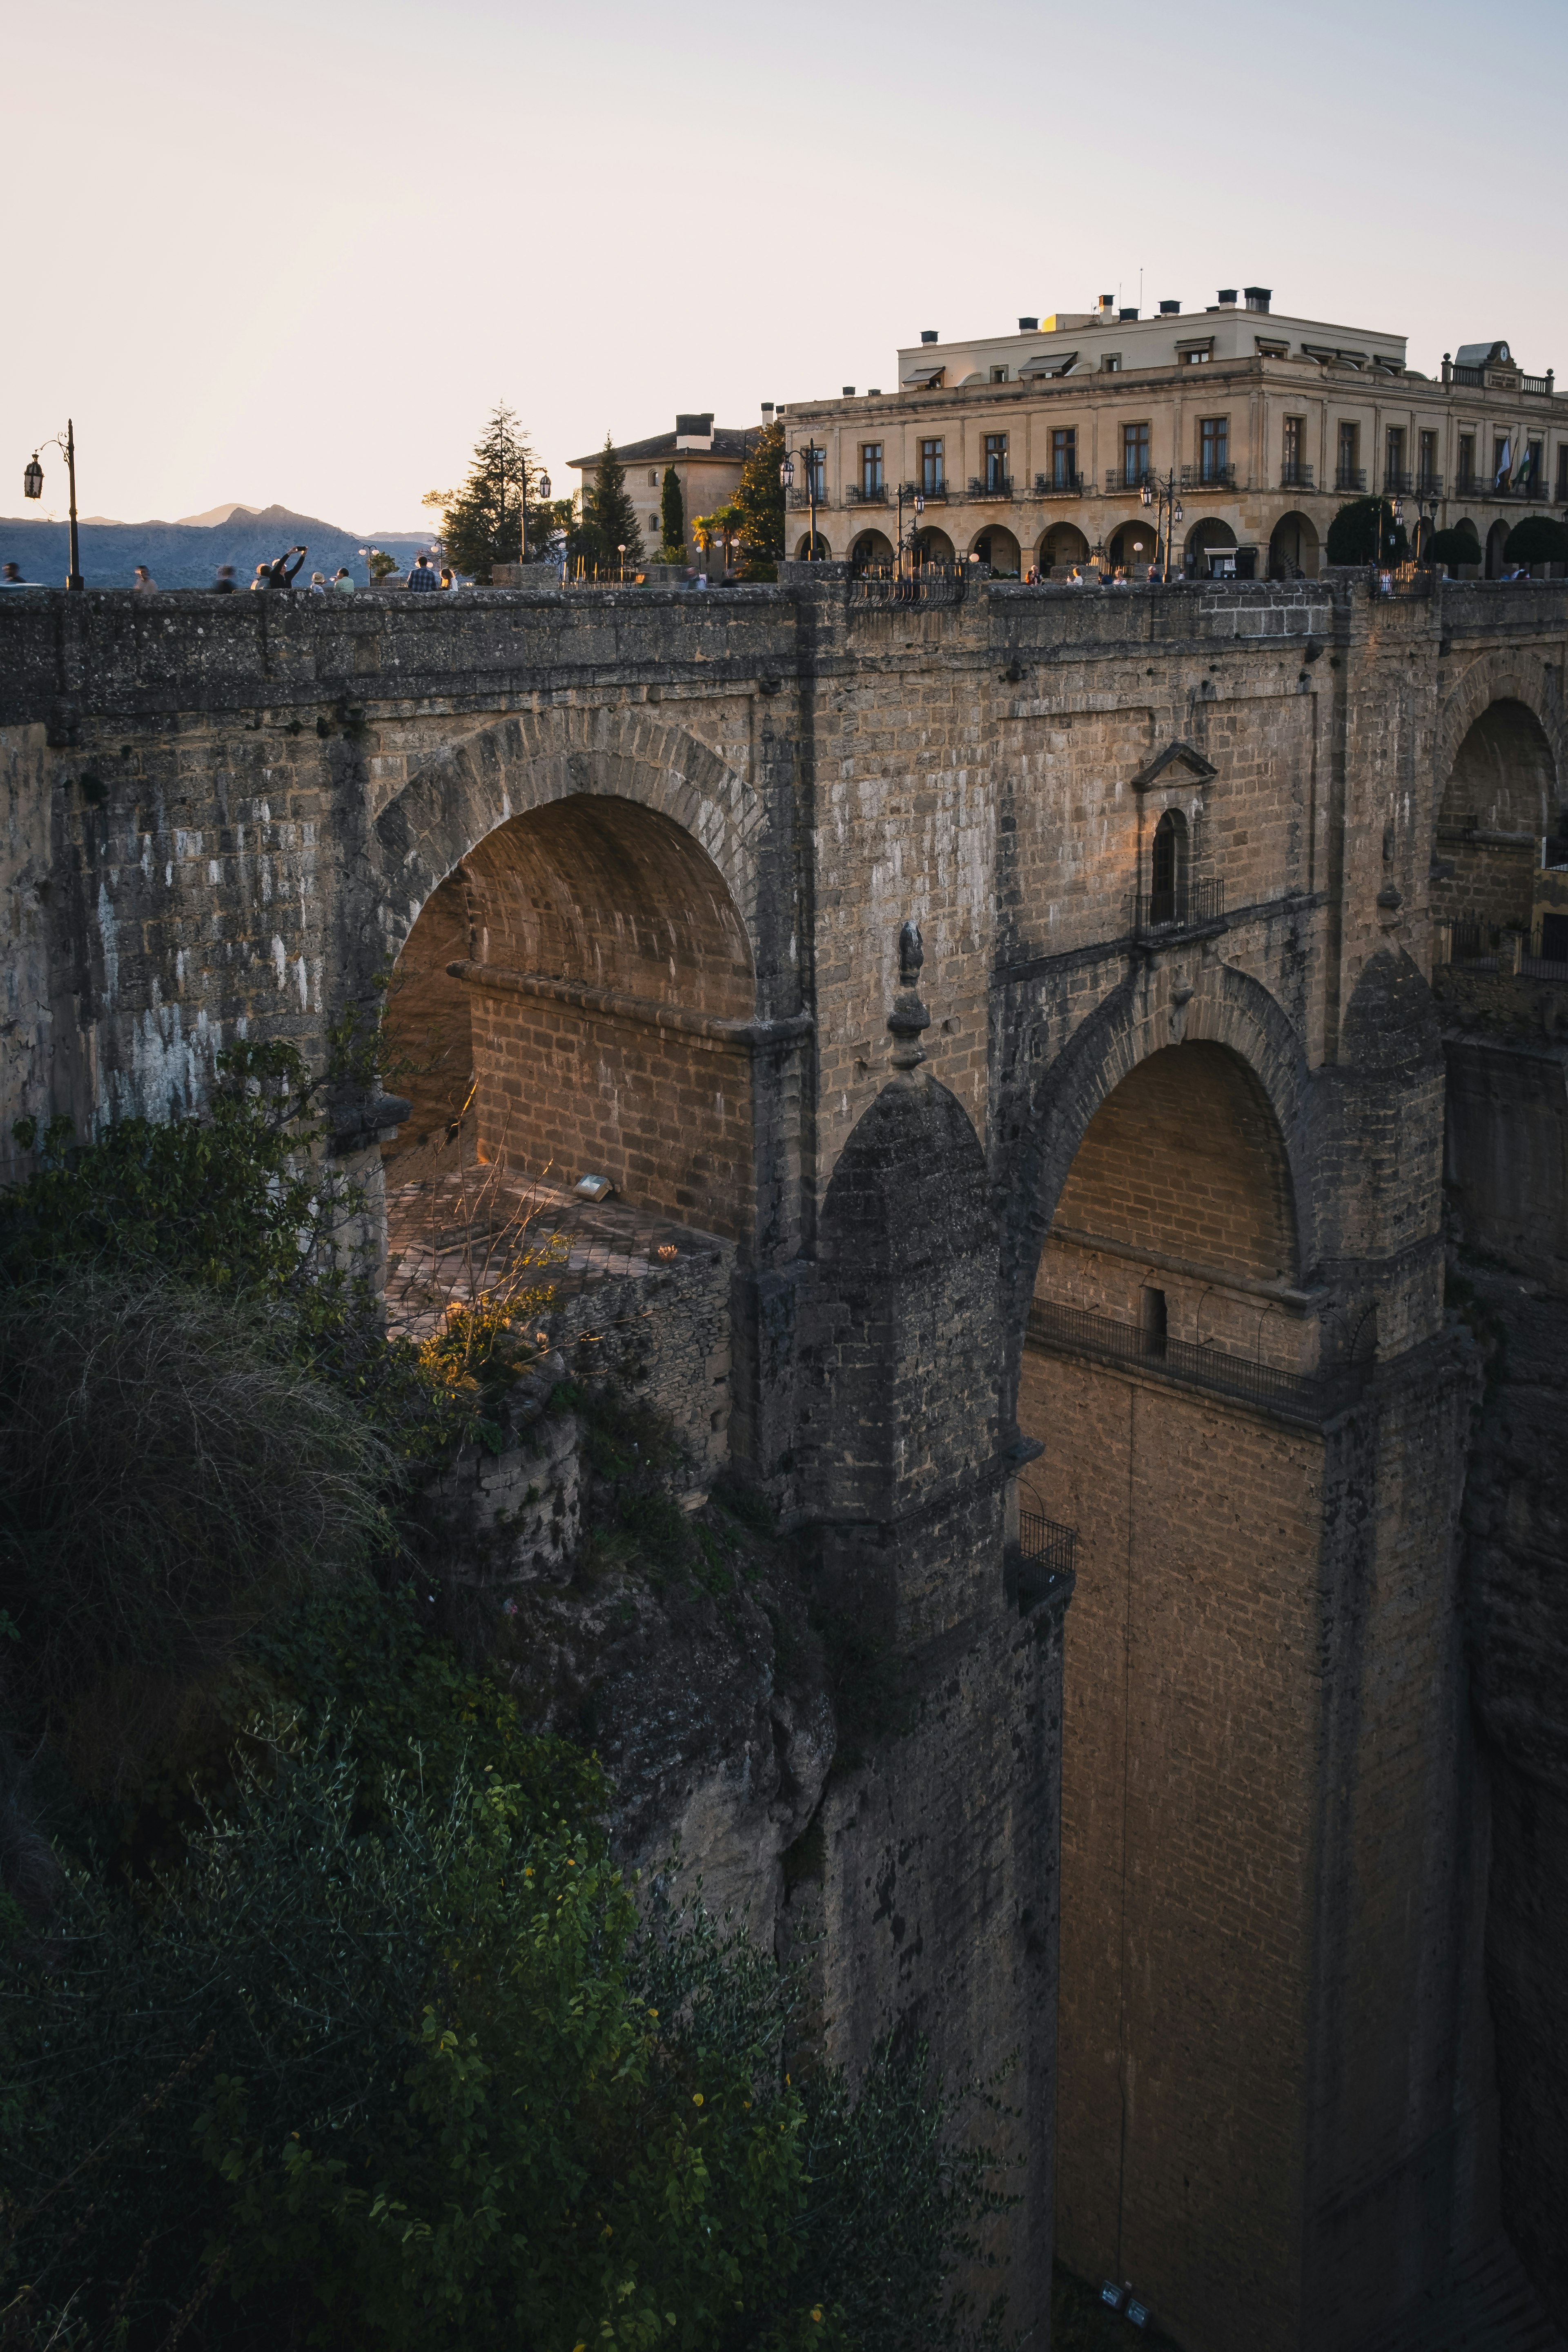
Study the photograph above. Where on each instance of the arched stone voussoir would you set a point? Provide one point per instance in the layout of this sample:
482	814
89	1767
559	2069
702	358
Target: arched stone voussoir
1504	674
1144	1015
532	758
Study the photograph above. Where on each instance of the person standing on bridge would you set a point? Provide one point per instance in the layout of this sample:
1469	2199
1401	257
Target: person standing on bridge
280	574
423	576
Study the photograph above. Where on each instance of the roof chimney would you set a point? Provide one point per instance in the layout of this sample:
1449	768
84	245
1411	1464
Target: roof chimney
1127	314
1258	297
928	335
1227	295
849	392
1170	310
767	408
1028	326
1107	304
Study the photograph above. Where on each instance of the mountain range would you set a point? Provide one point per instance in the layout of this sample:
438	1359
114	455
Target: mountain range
187	554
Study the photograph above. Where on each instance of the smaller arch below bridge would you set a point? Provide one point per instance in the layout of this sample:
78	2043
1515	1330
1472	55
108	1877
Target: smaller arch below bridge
1501	797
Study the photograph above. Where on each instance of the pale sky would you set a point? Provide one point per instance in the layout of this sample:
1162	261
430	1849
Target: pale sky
295	252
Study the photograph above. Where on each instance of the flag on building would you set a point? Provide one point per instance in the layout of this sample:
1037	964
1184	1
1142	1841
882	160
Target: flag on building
1505	459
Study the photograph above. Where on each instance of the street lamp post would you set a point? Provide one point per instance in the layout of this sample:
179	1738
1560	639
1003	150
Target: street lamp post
811	453
541	484
33	487
1161	497
919	507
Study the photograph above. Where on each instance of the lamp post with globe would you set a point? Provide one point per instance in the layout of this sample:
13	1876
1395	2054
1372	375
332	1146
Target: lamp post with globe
1161	497
814	458
542	486
33	487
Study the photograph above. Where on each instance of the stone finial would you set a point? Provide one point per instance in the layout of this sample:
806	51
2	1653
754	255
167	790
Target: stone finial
909	1016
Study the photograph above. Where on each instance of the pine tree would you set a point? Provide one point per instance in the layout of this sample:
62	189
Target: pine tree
481	524
761	501
609	519
672	514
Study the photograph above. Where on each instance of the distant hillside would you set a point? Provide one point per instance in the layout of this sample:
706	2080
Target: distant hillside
187	554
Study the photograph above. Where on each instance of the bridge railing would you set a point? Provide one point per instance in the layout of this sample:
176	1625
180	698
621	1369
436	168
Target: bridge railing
1077	1331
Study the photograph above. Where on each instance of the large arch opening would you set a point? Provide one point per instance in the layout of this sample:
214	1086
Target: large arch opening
580	987
996	546
1293	548
1500	800
1063	544
1208	541
1131	546
1172	1258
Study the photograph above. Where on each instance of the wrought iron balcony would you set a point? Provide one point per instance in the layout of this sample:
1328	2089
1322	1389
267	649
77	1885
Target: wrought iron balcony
1058	486
935	495
1127	478
1396	485
801	498
1308	1394
1295	475
1209	477
1043	1565
1350	478
859	495
1429	486
1191	906
992	486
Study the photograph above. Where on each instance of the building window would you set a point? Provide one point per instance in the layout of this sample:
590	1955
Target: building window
1111	364
1393	459
1134	454
1537	467
1064	457
1502	453
931	465
998	375
1214	445
1348	477
871	469
996	461
1198	359
1295	431
1562	469
1427	461
1169	874
1466	462
817	463
653	478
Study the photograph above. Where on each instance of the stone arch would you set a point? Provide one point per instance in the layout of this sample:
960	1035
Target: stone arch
871	546
583	973
934	546
994	544
1497	781
449	805
803	553
1062	544
1293	548
1131	544
1210	536
1227	1008
1497	540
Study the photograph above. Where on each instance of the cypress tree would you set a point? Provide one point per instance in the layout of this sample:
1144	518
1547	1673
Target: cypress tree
672	512
609	517
761	501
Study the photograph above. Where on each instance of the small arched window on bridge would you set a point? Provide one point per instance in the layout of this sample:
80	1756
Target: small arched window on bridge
1168	879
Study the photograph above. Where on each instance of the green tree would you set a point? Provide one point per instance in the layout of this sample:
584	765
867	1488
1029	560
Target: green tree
1538	539
1353	534
672	515
761	501
609	519
1455	547
481	524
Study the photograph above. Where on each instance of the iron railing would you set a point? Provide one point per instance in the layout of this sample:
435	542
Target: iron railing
1183	908
1297	475
1402	580
1044	1545
1350	478
1480	947
1058	486
1126	478
1429	486
1076	1328
799	498
937	496
858	494
1469	374
991	485
1396	485
1209	477
930	583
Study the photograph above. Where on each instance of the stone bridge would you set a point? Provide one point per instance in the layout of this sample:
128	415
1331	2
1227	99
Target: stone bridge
1034	993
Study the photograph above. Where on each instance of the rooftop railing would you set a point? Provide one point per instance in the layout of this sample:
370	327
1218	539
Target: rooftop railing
1075	1330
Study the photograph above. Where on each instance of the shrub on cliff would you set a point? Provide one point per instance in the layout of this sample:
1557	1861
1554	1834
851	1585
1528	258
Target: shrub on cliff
386	2058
